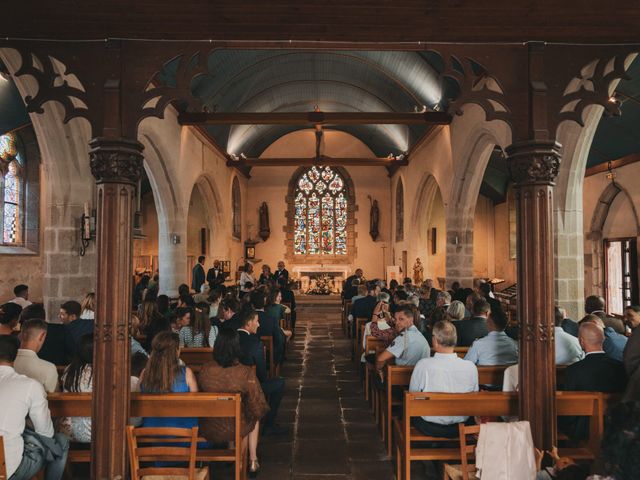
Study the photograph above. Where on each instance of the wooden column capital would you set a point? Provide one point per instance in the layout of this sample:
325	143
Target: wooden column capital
533	166
534	162
116	160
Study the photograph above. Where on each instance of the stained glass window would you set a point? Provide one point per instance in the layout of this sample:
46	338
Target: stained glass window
320	209
11	164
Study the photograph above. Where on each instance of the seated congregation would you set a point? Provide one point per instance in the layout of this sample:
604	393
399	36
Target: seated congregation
458	349
418	340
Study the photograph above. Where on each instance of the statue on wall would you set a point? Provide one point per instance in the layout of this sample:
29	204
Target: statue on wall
374	219
264	231
418	272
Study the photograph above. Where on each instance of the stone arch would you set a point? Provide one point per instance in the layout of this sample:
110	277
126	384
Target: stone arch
64	149
595	236
471	154
351	221
212	205
422	216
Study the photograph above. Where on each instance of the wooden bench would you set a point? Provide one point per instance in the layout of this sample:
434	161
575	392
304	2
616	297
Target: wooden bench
270	357
195	358
346	306
357	340
372	346
484	404
201	405
400	377
3	465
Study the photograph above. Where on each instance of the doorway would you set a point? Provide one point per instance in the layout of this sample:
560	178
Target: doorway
621	274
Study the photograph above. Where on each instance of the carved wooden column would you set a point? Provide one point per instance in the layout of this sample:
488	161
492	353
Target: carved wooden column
533	166
116	163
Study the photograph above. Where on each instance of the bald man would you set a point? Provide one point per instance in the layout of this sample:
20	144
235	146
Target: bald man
597	372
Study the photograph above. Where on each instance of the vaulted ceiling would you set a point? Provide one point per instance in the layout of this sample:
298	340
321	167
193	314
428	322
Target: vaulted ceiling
300	80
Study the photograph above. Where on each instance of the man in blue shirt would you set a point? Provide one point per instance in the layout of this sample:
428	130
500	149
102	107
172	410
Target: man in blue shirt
496	348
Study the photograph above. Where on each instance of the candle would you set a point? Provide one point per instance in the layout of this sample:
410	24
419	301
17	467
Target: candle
86	210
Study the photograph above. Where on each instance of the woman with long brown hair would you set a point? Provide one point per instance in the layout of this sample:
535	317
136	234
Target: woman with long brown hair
197	331
164	374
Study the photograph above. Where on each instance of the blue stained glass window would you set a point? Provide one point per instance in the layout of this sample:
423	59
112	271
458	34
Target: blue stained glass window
320	208
11	165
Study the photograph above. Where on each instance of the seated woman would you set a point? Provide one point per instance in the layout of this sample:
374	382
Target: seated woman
88	306
226	374
78	377
275	310
198	332
164	374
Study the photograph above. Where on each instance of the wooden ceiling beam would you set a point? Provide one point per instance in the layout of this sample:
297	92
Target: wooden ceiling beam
314	118
324	161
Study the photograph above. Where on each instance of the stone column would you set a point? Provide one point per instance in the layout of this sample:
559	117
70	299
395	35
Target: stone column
459	244
533	166
172	257
116	163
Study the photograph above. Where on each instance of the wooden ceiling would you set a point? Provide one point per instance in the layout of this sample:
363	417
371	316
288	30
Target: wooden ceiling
374	21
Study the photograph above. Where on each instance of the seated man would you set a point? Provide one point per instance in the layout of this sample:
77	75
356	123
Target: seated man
595	305
496	348
9	315
75	327
253	354
467	330
568	349
228	316
26	452
409	347
22	296
596	373
32	337
614	342
363	307
445	372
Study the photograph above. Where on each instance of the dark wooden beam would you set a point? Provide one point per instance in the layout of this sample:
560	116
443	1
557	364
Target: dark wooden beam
324	161
314	118
619	162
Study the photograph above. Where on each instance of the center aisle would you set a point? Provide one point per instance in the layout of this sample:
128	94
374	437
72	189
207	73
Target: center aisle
333	434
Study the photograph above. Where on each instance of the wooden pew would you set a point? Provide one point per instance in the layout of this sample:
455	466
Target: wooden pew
274	369
493	404
372	345
357	341
346	307
202	405
461	351
195	358
3	466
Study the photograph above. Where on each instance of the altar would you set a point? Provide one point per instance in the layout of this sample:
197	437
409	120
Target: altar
320	279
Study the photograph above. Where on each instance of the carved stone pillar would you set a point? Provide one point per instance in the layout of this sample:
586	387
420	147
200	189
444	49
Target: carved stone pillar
533	166
116	163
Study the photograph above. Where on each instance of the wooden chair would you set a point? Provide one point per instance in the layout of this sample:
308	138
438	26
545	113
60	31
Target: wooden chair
164	444
357	341
466	470
3	466
345	314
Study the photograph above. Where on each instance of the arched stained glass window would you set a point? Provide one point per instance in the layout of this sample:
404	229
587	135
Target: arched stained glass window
320	216
11	166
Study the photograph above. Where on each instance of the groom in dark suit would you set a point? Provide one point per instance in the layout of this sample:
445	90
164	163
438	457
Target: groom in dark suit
197	274
215	275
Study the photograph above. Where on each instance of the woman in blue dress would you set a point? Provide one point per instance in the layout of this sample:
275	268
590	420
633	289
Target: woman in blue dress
164	374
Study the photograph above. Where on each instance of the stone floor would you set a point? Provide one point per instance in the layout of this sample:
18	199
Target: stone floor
333	435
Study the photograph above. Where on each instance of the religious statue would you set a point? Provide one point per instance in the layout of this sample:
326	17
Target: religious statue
418	272
374	218
264	231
